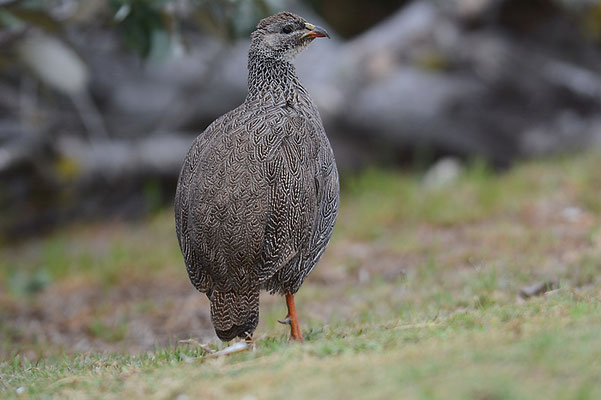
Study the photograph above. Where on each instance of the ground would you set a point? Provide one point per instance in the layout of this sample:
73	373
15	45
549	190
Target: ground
418	296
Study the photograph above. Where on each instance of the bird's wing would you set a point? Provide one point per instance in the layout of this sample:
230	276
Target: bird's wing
288	172
194	264
328	199
221	205
303	199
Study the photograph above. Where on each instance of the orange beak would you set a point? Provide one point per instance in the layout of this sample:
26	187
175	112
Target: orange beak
315	32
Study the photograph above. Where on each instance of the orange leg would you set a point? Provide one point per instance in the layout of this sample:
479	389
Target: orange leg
292	320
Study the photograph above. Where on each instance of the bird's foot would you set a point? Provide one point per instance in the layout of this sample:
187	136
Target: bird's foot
250	343
292	320
295	334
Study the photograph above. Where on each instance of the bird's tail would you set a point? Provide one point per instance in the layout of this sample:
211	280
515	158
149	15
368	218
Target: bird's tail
234	314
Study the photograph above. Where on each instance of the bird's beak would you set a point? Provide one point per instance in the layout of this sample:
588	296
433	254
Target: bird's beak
314	32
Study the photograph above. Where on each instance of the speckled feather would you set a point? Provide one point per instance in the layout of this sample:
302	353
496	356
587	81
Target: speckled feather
258	192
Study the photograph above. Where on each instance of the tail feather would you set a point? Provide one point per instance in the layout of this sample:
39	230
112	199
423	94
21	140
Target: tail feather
234	314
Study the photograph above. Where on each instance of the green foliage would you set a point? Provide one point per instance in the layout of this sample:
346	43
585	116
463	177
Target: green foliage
27	283
153	195
151	28
143	23
110	332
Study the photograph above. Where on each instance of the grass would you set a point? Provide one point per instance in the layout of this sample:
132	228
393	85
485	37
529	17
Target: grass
416	297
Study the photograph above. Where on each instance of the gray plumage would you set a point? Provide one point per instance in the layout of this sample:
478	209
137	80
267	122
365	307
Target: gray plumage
258	192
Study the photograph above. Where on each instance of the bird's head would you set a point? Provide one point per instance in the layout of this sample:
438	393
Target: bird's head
284	35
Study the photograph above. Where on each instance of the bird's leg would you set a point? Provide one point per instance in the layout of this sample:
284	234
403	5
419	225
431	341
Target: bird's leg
292	320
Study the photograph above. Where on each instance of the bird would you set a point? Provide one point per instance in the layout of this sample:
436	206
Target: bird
258	193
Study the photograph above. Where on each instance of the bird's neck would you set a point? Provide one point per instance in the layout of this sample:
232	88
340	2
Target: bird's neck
272	79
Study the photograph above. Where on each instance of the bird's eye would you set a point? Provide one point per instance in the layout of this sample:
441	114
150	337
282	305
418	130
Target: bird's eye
287	29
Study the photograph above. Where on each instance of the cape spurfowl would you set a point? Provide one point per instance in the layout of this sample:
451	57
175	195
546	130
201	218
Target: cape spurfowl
258	193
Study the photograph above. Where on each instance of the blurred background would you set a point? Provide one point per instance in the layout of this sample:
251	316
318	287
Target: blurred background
100	100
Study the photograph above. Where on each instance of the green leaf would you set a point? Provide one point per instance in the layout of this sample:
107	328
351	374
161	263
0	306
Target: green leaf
144	25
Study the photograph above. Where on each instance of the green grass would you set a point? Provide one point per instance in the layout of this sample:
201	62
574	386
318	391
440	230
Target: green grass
416	298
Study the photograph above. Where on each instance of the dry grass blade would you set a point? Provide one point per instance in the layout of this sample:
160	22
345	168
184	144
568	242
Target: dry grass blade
415	326
66	381
196	343
235	348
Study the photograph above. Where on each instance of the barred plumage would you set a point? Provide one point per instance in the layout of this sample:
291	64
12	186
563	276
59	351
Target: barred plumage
258	192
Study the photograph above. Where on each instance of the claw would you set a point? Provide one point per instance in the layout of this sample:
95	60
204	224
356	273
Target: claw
286	321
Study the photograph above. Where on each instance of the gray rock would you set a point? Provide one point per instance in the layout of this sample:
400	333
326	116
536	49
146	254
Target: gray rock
538	289
443	173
